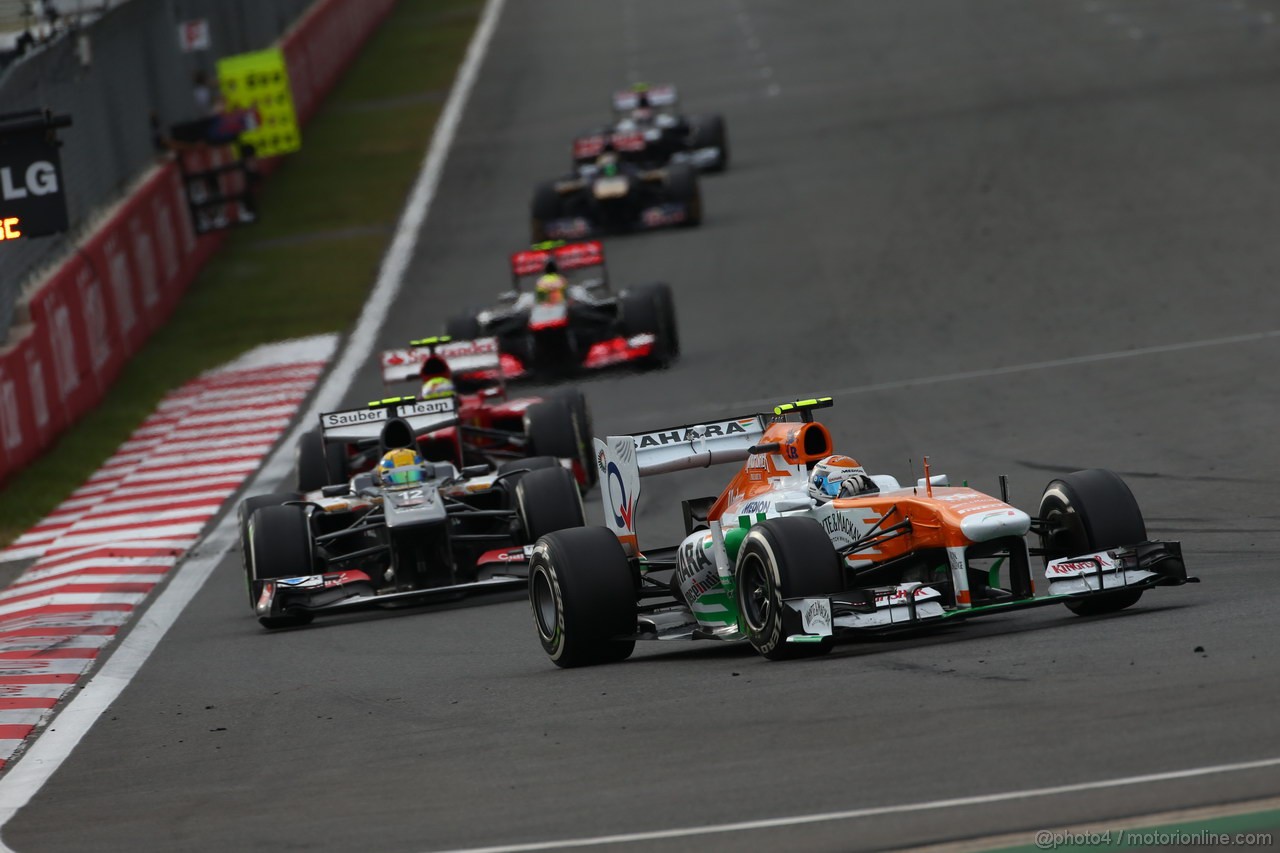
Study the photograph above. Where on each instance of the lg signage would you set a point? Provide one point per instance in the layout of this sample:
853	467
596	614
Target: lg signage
40	178
32	198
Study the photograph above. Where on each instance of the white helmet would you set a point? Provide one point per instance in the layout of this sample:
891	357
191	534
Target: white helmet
839	476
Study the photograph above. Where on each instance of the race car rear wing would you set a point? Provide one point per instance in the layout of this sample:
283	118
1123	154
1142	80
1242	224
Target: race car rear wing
624	459
359	425
401	365
657	96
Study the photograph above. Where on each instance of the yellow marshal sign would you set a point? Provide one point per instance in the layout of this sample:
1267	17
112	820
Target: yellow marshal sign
260	81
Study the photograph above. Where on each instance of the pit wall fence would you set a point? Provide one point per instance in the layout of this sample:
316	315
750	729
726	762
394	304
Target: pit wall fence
79	327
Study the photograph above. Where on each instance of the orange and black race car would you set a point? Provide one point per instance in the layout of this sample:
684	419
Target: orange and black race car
803	546
561	317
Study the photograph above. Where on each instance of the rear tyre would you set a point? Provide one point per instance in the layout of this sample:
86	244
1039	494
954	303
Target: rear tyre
280	545
548	500
709	132
583	597
650	309
783	558
531	463
545	208
577	404
550	430
320	463
682	186
243	513
1091	510
523	466
463	327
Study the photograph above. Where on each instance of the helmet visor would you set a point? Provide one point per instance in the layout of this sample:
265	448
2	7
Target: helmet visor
826	484
404	476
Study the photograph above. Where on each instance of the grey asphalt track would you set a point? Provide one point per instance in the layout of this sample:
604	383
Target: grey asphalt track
977	193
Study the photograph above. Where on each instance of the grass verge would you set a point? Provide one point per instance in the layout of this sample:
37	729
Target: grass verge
306	266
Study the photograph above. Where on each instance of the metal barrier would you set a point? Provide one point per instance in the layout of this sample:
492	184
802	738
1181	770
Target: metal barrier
114	77
98	305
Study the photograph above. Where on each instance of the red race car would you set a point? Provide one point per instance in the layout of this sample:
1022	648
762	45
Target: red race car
492	428
562	317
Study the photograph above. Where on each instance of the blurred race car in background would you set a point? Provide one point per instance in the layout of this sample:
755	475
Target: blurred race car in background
490	427
648	130
561	316
779	560
408	531
611	195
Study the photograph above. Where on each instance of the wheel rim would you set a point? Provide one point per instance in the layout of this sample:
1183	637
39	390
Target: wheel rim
1063	531
757	593
544	604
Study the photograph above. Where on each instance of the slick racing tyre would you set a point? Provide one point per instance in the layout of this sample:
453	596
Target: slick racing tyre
320	464
280	547
1091	510
577	404
545	208
548	500
524	466
651	309
551	430
463	327
783	558
583	597
709	132
243	513
513	470
682	186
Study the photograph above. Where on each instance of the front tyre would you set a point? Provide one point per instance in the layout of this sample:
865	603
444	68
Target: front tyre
783	558
1086	511
583	597
244	512
463	327
280	546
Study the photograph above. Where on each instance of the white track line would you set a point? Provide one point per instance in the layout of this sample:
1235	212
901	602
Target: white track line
52	748
988	373
853	814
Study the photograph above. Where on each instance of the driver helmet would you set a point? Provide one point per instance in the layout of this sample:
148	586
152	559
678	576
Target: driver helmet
401	468
436	387
550	288
839	476
607	162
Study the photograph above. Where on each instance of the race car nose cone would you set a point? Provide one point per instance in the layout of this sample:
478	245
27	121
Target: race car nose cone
985	526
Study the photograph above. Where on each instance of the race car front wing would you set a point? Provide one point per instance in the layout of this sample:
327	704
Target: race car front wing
326	594
907	606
